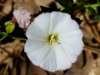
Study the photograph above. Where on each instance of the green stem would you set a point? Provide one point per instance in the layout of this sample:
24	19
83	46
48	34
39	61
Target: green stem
17	38
4	37
92	5
23	39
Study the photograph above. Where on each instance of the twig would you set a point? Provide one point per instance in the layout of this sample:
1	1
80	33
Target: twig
95	31
6	68
92	49
96	38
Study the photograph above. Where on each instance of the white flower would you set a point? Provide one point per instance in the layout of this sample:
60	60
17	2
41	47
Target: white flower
54	41
22	16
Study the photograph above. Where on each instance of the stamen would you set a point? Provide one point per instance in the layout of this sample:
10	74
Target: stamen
52	39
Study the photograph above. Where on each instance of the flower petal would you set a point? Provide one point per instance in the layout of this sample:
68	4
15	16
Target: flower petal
74	38
43	22
62	22
71	51
21	23
34	32
55	59
38	55
62	60
22	17
49	63
32	45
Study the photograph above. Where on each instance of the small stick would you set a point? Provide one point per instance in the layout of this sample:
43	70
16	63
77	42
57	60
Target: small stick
6	68
94	50
95	31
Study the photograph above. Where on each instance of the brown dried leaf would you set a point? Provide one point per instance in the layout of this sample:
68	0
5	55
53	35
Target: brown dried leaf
23	67
7	7
34	70
11	48
30	5
14	71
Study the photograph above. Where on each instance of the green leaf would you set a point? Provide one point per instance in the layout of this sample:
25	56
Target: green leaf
65	3
96	10
89	11
97	17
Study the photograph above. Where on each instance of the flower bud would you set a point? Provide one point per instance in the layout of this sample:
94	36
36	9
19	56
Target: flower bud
10	26
22	17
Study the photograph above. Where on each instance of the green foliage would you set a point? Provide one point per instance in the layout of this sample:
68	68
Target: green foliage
93	6
89	11
66	4
97	17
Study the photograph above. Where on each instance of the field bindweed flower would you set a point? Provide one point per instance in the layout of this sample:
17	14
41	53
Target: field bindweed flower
54	41
22	16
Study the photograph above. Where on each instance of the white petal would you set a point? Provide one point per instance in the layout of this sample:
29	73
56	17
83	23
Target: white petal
34	32
16	13
62	22
38	55
62	59
39	28
49	63
43	22
54	20
56	60
71	51
74	38
32	45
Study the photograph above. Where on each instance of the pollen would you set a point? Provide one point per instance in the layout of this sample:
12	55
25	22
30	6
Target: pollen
52	39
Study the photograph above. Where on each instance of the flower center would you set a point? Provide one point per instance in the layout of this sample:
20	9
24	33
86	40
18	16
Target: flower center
52	39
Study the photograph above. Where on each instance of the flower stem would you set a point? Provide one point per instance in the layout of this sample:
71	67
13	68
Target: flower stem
23	39
93	5
4	37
